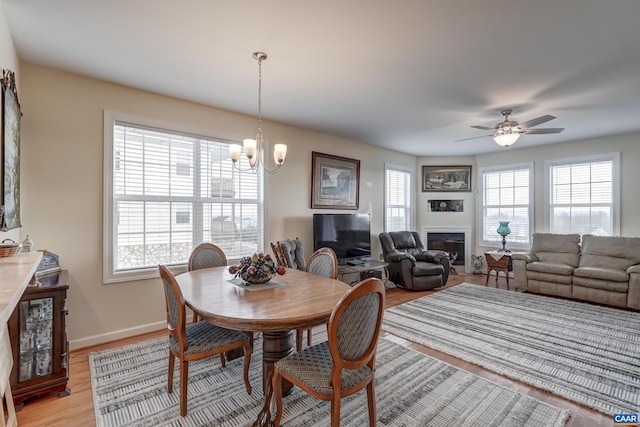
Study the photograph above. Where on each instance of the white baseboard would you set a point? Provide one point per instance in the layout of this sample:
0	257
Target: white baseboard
116	335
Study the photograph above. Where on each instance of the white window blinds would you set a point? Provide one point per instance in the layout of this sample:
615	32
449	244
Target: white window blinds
506	197
582	196
172	191
397	199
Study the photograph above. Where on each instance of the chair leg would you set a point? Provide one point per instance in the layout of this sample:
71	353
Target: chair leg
488	274
223	360
247	364
184	377
309	336
299	334
277	393
335	410
172	359
371	402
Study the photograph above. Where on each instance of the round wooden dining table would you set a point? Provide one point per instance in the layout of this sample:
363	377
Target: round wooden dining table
295	300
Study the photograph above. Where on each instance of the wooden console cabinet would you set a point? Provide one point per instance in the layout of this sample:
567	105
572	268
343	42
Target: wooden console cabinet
37	329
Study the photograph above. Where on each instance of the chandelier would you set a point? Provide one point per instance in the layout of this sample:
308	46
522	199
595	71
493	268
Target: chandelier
253	147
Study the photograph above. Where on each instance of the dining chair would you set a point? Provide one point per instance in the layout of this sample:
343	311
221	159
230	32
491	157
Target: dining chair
205	255
345	363
277	253
322	262
196	340
293	253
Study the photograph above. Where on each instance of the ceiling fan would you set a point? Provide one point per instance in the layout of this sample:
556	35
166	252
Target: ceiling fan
508	131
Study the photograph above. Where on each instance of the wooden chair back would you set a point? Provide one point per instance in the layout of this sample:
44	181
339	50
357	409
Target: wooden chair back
323	262
277	253
206	255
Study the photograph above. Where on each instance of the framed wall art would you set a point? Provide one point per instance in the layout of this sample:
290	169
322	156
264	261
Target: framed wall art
446	178
446	205
335	182
10	154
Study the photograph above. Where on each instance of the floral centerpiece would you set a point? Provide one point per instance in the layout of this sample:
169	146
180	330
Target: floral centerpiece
259	268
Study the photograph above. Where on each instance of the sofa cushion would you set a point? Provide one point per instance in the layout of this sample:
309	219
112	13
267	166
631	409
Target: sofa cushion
550	278
557	248
407	241
551	267
601	273
603	285
610	252
601	296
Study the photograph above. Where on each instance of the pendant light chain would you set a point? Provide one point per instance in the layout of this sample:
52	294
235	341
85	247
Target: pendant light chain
260	97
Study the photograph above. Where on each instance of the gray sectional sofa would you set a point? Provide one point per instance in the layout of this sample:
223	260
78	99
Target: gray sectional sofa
600	269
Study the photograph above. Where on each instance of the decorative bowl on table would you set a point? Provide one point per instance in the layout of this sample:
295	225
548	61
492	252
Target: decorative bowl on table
257	269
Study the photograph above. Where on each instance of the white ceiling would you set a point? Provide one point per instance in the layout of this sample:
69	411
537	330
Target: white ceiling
409	75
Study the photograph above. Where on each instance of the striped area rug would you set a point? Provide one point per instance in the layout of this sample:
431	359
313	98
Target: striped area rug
129	389
585	353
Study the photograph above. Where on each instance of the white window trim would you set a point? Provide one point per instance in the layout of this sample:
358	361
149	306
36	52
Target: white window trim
109	119
480	204
615	179
411	195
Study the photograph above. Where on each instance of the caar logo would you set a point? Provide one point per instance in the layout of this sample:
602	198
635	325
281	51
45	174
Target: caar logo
625	419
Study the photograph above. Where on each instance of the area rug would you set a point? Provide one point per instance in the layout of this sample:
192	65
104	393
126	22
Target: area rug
412	389
582	352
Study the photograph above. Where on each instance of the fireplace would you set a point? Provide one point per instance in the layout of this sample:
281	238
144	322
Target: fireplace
450	242
453	240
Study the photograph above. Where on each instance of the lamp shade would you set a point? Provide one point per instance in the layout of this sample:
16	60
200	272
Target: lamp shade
503	228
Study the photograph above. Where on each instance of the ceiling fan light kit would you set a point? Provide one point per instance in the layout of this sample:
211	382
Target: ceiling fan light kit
506	139
507	132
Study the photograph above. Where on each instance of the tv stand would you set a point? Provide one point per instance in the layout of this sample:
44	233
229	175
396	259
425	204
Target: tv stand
364	270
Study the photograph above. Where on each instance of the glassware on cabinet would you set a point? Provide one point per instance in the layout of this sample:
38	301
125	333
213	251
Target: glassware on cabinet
36	330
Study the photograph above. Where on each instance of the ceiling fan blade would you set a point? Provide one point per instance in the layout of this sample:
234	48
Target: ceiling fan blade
482	127
537	121
544	130
475	137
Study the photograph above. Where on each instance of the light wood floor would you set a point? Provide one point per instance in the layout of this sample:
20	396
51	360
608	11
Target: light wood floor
77	408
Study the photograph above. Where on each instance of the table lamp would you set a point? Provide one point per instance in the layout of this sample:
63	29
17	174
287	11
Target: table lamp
504	231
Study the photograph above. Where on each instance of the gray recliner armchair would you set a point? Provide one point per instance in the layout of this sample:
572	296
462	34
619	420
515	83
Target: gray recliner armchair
411	266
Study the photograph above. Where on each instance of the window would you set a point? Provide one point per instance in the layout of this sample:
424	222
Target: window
397	198
583	195
507	196
166	191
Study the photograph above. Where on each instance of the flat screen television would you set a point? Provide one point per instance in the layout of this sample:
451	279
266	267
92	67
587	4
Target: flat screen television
349	235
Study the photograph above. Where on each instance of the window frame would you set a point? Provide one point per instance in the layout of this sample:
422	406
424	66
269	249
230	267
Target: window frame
110	119
480	224
409	210
614	157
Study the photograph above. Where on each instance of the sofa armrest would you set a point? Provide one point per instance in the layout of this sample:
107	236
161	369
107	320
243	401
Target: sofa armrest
432	255
522	256
399	256
634	269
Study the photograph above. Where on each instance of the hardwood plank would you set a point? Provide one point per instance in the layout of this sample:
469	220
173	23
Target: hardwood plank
76	410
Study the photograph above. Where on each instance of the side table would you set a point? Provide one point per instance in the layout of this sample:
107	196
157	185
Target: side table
498	262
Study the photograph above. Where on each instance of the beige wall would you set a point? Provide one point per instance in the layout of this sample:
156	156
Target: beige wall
8	61
62	155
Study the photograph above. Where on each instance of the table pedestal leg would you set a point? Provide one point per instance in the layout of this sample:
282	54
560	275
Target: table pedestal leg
275	346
